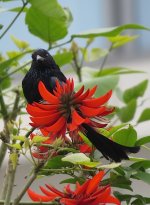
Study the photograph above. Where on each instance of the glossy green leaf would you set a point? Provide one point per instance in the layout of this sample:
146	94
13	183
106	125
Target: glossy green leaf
14	159
19	43
145	115
143	176
135	92
94	54
47	20
16	146
141	164
38	139
63	58
143	140
127	113
85	139
119	40
126	137
109	166
116	128
108	32
116	71
119	181
104	84
73	180
21	138
57	163
7	63
76	158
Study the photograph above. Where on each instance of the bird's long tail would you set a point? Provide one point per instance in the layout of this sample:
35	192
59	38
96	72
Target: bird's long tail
109	149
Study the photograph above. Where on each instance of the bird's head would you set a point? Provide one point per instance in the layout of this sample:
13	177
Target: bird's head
41	59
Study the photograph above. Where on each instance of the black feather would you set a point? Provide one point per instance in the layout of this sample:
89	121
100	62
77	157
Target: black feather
109	148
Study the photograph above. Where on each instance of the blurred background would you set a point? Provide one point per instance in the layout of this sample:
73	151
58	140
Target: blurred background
97	14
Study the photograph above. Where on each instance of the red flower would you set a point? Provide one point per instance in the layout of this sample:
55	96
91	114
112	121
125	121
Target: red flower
66	110
89	193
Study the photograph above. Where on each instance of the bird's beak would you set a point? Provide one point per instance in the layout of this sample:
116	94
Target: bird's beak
40	58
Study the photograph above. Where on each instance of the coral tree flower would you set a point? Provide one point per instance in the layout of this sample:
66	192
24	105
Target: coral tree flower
65	109
89	193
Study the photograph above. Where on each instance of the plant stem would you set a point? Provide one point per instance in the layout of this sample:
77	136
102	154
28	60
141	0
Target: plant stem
62	44
11	178
105	58
3	150
30	181
33	203
15	71
13	21
5	185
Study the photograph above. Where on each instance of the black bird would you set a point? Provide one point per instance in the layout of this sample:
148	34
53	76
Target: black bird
44	68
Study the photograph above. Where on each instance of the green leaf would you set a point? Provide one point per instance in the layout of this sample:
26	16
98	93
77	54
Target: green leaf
85	139
141	164
126	113
126	137
95	54
104	84
1	26
143	140
116	71
73	180
76	158
108	32
14	159
47	20
21	138
135	92
145	115
116	128
109	166
119	181
19	43
7	63
119	40
57	163
38	139
17	9
16	146
90	164
63	58
143	176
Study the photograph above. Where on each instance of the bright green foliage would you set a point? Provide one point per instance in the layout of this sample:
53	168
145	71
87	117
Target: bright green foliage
127	112
135	92
47	20
145	115
126	137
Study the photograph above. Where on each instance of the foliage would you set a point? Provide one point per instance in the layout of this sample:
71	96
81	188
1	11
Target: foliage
49	21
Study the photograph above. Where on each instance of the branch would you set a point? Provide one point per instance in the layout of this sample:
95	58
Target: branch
11	178
62	44
105	58
30	181
13	21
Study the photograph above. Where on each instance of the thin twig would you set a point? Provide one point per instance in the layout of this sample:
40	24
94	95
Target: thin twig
13	21
105	58
30	181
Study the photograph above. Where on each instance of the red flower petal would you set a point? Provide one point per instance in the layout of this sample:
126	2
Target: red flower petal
38	112
58	125
94	182
49	193
82	97
91	112
76	118
45	120
79	92
45	106
92	91
46	95
59	193
96	102
37	197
